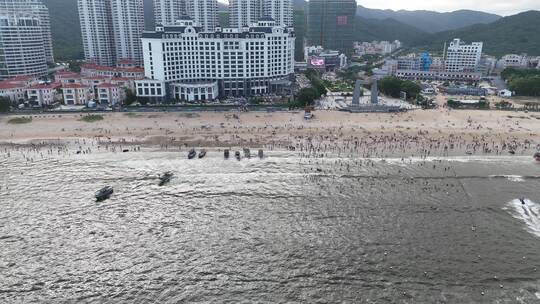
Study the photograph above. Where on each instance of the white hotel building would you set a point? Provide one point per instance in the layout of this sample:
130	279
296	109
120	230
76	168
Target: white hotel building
461	57
184	62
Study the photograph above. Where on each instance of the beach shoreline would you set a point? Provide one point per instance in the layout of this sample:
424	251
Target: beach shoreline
420	132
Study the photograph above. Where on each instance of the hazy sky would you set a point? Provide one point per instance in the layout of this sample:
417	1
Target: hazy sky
500	7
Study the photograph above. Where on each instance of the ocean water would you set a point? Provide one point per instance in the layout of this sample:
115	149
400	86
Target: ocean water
283	229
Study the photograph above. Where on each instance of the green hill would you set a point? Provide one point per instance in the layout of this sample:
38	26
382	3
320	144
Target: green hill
514	34
66	29
388	29
429	21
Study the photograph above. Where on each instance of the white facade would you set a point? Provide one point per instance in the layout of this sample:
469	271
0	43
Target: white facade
197	91
111	30
244	12
96	28
128	25
279	10
244	63
461	57
43	94
22	48
37	9
76	94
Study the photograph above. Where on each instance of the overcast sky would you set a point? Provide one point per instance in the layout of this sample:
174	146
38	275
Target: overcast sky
500	7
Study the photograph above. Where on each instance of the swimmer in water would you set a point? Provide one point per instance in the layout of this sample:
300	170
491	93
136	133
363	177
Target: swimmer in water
522	200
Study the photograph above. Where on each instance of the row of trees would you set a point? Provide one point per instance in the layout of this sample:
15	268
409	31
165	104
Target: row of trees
307	96
523	82
393	86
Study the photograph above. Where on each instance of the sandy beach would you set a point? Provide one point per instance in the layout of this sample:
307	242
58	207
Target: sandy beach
416	132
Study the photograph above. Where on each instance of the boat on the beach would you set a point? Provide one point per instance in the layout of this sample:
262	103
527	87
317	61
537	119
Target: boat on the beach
226	153
537	156
165	178
104	193
237	155
202	153
261	153
192	154
247	153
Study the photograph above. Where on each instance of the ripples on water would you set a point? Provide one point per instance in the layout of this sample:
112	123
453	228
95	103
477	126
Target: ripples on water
281	229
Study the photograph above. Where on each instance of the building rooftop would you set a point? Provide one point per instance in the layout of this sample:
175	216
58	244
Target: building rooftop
7	85
74	86
43	86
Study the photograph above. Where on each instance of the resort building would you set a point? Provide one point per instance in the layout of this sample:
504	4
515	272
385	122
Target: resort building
226	62
43	94
76	94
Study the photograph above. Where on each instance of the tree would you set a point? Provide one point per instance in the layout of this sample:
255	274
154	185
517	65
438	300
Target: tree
307	96
130	97
4	104
411	88
390	86
75	66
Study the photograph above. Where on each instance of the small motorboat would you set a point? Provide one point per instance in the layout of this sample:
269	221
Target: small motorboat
261	153
202	153
537	156
104	193
192	154
247	153
237	155
165	178
226	153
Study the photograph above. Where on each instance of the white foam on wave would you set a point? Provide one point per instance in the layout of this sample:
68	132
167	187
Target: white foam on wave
529	213
512	178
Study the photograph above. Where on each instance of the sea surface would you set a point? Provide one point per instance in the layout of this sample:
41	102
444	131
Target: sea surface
283	229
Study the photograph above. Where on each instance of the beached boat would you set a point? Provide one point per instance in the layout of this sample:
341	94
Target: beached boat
202	153
104	193
226	153
537	156
165	178
192	154
237	155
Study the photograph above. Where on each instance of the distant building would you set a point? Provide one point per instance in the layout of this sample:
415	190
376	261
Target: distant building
324	60
25	42
204	13
168	11
331	24
243	13
111	30
279	10
252	61
34	8
461	57
376	47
